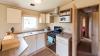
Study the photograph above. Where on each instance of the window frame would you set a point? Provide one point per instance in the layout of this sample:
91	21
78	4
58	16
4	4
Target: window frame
28	29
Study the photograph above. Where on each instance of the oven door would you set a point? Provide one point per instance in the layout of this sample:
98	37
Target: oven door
51	40
52	43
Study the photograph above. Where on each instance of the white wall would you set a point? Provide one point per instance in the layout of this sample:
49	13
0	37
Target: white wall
95	22
4	27
66	26
79	4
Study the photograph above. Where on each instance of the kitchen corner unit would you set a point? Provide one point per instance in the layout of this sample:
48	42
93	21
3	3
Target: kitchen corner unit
36	41
63	44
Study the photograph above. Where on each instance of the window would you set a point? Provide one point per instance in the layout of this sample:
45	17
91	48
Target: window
29	23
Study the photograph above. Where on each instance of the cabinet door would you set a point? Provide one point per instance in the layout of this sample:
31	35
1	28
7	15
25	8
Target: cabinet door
31	41
62	46
49	18
13	15
62	50
42	18
40	41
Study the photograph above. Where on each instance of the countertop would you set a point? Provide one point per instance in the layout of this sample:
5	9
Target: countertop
31	33
65	35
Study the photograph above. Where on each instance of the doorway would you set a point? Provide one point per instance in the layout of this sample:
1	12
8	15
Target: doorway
88	31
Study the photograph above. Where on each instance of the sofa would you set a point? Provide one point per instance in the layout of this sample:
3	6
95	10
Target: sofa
9	44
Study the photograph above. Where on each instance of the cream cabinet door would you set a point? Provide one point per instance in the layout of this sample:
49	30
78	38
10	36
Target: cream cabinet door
42	18
62	47
13	15
31	41
62	50
49	18
40	42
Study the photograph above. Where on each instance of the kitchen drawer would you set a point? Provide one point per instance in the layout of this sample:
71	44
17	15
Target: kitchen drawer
62	50
62	41
41	36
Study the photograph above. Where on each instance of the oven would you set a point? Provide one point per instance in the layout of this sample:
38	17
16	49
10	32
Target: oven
51	41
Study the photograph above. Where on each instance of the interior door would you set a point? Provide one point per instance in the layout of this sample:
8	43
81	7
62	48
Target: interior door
95	24
74	30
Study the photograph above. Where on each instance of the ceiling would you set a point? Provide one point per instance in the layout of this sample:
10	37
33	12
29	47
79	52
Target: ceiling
44	6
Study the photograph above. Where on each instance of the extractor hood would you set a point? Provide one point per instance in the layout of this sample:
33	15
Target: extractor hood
55	12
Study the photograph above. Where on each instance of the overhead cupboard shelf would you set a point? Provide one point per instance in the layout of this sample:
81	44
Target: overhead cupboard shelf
65	16
46	18
13	15
65	12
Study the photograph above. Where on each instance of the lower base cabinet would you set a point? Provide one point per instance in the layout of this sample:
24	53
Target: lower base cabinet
62	46
40	41
62	50
35	42
31	41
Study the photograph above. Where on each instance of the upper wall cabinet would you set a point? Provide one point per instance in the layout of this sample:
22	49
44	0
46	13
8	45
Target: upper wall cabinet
49	18
46	18
42	18
13	15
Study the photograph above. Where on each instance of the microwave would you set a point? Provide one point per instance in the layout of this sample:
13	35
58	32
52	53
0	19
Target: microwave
65	18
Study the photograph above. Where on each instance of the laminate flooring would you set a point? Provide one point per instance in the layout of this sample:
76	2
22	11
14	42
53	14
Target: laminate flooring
45	52
84	48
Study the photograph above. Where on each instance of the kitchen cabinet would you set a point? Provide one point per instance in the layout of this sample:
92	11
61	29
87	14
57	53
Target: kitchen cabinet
62	50
49	18
62	46
42	18
40	41
46	18
35	43
31	41
13	15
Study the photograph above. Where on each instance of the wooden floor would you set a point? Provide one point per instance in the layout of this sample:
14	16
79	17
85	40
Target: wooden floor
84	48
45	52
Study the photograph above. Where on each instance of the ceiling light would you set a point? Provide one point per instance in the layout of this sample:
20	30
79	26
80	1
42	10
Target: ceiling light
32	4
38	1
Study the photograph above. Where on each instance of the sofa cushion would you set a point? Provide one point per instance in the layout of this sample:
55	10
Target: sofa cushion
7	37
9	44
